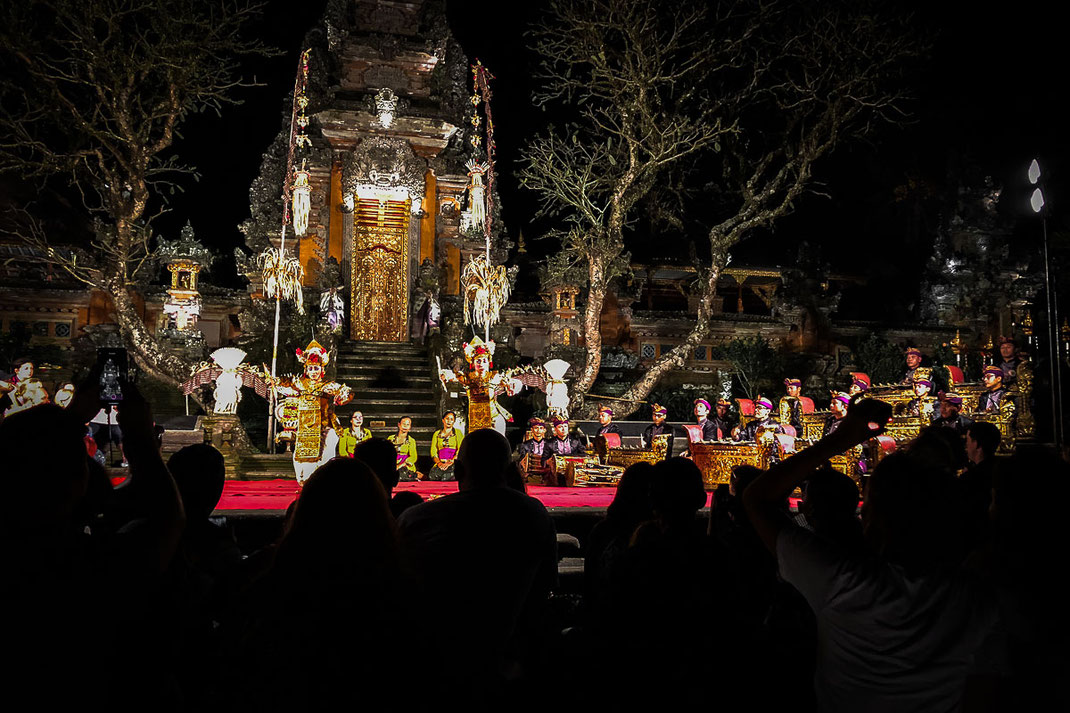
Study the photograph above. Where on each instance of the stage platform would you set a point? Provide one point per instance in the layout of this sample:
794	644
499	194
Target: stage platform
274	496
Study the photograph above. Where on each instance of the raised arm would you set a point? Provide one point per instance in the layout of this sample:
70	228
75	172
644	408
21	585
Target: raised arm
152	487
763	497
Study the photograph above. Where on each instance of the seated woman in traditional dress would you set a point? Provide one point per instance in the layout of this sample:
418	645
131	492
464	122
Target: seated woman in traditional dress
444	445
406	448
356	433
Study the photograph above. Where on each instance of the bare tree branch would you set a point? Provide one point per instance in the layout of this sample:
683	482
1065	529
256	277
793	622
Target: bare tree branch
95	91
751	93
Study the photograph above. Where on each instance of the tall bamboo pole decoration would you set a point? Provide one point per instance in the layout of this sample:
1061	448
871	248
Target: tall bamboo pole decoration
298	123
481	79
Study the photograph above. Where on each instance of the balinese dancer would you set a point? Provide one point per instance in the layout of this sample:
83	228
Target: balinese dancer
316	441
483	387
405	445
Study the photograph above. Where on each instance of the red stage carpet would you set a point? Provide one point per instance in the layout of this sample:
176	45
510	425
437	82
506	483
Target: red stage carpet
278	494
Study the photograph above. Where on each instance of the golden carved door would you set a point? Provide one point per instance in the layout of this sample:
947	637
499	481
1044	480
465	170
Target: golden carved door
379	304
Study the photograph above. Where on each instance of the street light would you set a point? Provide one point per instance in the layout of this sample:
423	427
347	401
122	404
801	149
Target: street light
1036	202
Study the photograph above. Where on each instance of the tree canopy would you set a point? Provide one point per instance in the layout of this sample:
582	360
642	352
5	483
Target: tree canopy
95	92
715	114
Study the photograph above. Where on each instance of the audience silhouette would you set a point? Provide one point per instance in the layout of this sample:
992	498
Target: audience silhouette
943	594
489	554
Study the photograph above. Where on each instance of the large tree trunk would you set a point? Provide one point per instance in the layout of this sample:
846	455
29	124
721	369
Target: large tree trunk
592	329
675	359
171	369
142	345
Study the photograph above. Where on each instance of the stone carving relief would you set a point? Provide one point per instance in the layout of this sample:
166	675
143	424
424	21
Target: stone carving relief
382	166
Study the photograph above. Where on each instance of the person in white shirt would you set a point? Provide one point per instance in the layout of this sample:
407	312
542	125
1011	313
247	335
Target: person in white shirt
899	627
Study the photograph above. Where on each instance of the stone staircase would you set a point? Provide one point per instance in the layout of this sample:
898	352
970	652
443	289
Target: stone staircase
390	380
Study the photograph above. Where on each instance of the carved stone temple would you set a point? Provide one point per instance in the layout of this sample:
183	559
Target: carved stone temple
388	99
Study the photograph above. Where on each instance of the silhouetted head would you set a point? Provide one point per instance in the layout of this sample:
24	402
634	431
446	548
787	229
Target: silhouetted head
677	490
632	502
982	440
514	477
44	474
199	472
380	455
482	459
342	521
909	516
939	445
742	476
830	497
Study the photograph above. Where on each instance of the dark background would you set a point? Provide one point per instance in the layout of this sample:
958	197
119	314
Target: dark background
985	105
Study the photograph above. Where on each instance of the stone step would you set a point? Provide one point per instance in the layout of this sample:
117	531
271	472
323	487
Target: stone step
381	348
363	390
381	360
387	381
380	398
375	352
392	413
382	367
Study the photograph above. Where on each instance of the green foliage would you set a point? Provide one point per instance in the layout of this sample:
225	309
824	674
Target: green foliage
879	358
295	331
678	401
757	365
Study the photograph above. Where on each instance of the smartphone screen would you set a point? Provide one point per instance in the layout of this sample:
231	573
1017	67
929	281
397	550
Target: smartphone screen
114	373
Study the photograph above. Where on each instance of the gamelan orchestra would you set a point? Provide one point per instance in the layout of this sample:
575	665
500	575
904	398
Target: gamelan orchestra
763	430
554	451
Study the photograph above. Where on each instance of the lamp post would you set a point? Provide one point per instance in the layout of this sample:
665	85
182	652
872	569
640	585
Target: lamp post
1036	202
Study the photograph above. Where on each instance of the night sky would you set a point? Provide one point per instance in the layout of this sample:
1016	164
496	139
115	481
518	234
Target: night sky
986	105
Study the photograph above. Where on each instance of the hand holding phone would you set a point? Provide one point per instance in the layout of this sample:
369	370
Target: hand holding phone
865	419
114	371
